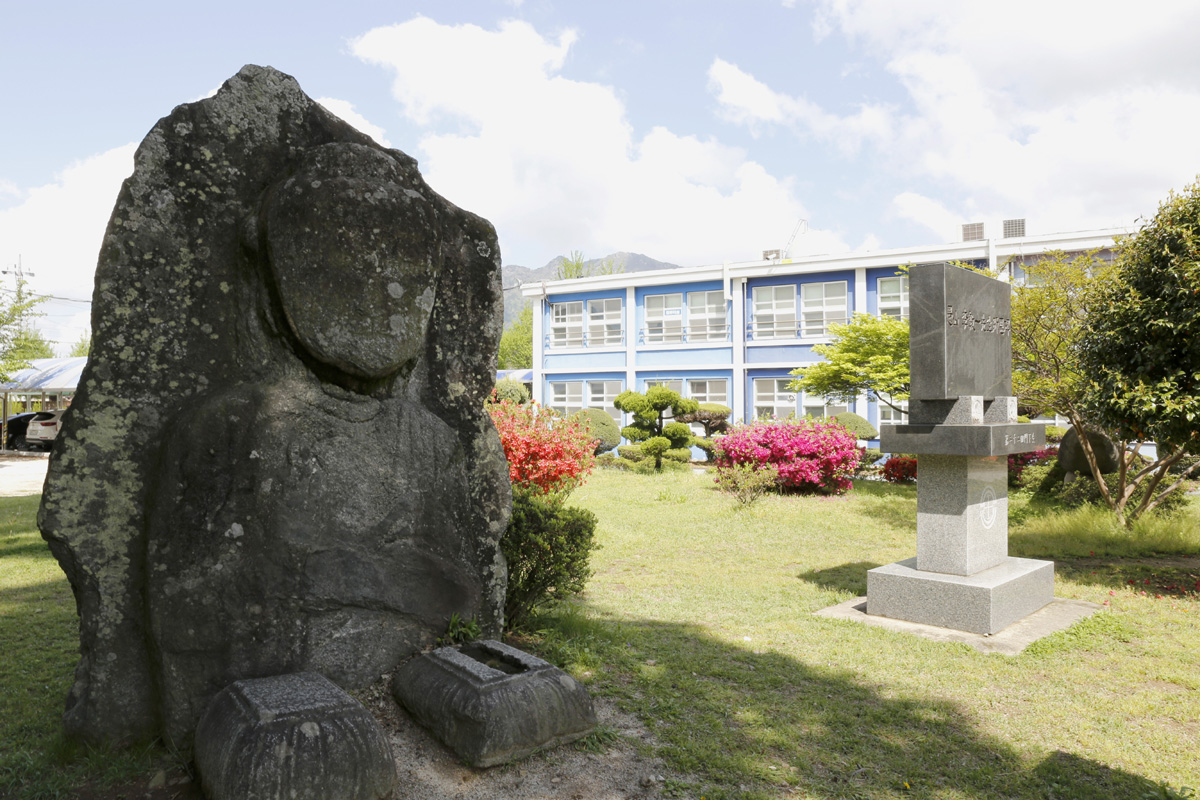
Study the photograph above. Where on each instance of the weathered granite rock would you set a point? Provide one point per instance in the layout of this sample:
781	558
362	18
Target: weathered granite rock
278	458
491	703
1072	459
291	737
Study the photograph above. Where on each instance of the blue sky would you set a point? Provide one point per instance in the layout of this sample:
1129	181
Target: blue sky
692	132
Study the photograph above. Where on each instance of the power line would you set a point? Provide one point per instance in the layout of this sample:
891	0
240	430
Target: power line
49	296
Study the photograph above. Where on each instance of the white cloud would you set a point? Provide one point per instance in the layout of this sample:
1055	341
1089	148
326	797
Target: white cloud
555	164
1073	120
56	232
744	99
345	110
928	213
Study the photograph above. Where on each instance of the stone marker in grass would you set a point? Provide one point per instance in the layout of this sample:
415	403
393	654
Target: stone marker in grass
291	737
962	426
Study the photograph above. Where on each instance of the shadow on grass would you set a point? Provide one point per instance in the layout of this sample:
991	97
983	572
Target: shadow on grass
844	577
740	724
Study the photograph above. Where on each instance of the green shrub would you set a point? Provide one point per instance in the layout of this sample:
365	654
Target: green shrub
604	429
547	546
713	416
1084	491
681	454
870	456
508	389
611	461
1043	480
858	426
646	467
747	481
1055	434
631	452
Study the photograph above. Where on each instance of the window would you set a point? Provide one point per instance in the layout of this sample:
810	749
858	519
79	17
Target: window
822	304
566	325
774	312
664	318
566	397
709	391
604	322
889	415
893	297
817	407
772	398
601	395
706	317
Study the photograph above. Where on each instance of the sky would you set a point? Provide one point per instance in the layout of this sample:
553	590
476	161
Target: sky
691	131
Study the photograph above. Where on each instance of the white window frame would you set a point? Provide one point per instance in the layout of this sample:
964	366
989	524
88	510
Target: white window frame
708	394
896	303
771	396
822	304
566	324
662	326
601	394
774	310
811	402
887	415
708	318
605	327
562	393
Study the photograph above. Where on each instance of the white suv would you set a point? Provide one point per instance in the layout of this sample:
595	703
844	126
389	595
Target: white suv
43	428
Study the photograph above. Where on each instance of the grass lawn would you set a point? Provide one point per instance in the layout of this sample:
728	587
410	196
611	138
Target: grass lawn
699	620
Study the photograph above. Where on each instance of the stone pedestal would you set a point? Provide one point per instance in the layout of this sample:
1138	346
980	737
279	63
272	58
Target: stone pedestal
962	426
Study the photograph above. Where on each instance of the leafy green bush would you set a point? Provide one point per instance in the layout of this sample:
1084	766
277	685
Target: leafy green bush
713	416
858	426
870	455
748	481
646	467
632	452
681	454
508	389
1055	434
1044	480
706	445
604	430
1084	491
547	546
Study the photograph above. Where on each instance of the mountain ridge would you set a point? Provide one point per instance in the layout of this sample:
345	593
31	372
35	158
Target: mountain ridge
514	275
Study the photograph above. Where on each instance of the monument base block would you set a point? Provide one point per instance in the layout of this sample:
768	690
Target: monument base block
986	602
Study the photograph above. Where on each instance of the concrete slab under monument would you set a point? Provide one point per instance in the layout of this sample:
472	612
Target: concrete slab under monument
986	602
1057	616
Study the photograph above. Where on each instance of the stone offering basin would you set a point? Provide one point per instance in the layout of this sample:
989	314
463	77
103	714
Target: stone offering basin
492	703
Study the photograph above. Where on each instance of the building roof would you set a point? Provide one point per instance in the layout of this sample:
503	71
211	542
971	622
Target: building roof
977	250
47	375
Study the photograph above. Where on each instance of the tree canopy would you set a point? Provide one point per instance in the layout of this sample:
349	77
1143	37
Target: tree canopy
19	340
1142	350
867	354
516	343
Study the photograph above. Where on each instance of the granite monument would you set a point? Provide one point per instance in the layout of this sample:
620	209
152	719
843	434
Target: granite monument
962	426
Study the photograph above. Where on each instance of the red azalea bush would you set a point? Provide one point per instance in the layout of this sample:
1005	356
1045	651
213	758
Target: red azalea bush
544	450
900	469
808	456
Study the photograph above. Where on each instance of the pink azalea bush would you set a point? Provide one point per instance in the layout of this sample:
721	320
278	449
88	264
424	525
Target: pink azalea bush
808	456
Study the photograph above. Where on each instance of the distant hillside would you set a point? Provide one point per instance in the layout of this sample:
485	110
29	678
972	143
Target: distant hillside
515	275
